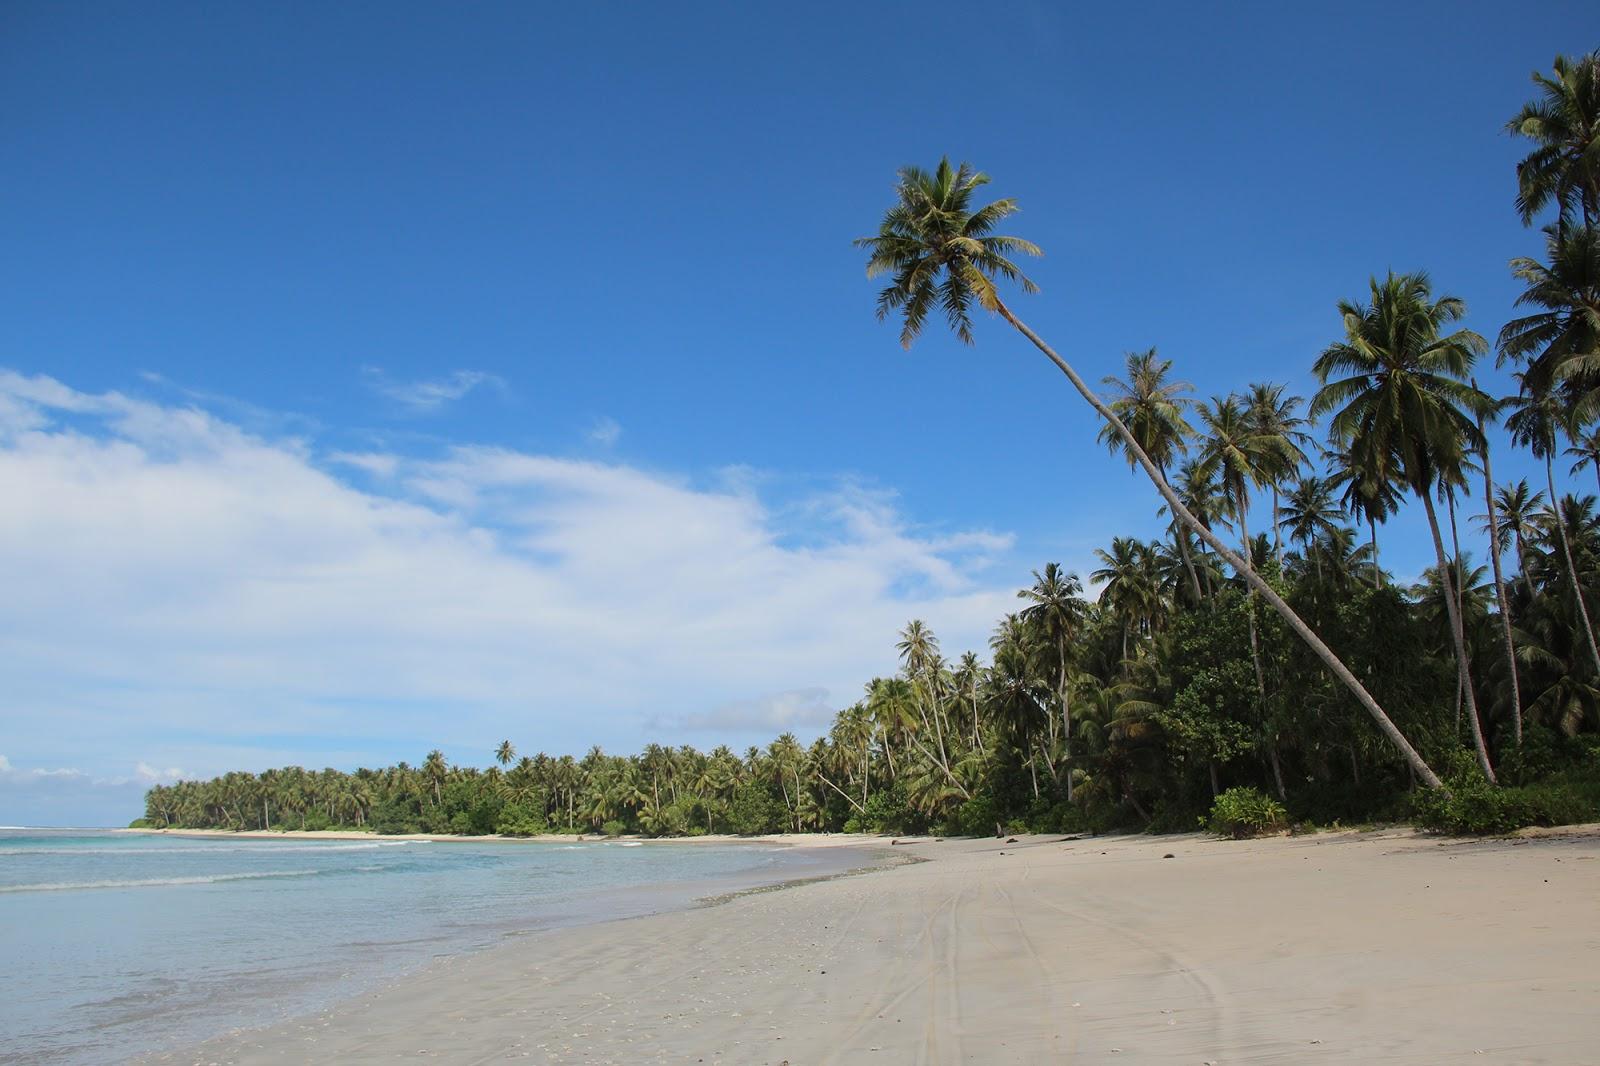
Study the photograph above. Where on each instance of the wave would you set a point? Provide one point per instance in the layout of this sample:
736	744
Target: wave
154	882
225	848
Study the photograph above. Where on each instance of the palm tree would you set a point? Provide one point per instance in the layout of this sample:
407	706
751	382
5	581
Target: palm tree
434	769
1564	123
1055	608
505	753
1310	513
1370	492
1238	454
1536	417
1585	448
1274	418
1519	510
1405	396
1559	342
937	249
1152	408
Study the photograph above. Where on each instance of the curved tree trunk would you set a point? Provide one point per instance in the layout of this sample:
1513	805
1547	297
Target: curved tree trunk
1458	635
1572	569
1294	621
1500	592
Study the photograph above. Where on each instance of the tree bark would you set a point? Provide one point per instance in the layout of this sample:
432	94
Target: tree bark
1303	631
1458	635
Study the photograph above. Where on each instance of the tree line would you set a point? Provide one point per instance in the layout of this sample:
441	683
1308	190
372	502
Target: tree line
1258	642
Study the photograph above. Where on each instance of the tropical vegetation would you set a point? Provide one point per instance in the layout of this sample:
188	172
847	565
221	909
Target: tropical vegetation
1254	664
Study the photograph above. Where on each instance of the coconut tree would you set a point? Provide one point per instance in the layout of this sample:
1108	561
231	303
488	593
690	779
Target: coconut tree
1309	513
1152	408
434	770
1275	419
1055	607
505	753
1585	449
1559	343
1518	509
1398	387
1371	493
1537	416
940	250
1563	168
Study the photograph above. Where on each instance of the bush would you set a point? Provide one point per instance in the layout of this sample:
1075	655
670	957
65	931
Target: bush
517	820
614	828
1246	812
1474	807
142	823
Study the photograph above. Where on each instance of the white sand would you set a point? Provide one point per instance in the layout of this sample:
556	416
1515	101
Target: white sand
1377	948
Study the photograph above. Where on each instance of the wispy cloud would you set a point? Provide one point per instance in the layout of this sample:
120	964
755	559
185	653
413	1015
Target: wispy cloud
198	596
424	397
605	431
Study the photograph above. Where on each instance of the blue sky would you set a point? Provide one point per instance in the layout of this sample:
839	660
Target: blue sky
388	376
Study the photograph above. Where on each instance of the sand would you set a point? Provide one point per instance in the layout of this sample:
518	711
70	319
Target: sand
1376	948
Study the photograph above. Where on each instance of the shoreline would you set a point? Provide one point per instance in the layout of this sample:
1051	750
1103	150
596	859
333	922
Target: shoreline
818	840
1351	946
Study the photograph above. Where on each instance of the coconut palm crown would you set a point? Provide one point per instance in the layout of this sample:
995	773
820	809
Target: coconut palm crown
939	251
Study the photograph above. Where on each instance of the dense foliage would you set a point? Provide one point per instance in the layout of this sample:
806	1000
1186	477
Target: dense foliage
1242	678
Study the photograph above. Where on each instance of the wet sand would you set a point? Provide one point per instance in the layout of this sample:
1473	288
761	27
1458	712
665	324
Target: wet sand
1383	947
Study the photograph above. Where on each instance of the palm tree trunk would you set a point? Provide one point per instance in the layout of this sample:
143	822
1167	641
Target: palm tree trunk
1303	631
1377	569
1458	635
1572	570
1066	712
1500	592
1255	656
1182	537
1277	532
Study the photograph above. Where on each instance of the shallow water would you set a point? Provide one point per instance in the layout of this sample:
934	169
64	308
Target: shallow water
120	944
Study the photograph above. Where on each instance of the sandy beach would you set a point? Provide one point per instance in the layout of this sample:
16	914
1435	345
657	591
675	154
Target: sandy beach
1345	947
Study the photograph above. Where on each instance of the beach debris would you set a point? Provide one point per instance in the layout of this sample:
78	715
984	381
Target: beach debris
1011	840
1169	855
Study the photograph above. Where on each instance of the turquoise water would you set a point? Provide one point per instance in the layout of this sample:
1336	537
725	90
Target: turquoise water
118	944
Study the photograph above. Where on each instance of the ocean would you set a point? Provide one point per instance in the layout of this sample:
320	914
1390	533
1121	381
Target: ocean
117	944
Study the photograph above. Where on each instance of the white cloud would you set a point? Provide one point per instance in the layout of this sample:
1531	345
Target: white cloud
422	397
212	599
605	431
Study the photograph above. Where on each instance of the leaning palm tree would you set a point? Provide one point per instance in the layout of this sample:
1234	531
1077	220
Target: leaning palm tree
1055	607
1563	168
1537	416
940	250
1152	408
1397	386
1275	419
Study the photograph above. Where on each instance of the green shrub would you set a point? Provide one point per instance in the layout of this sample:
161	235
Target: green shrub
1246	812
517	820
614	828
142	823
1474	807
